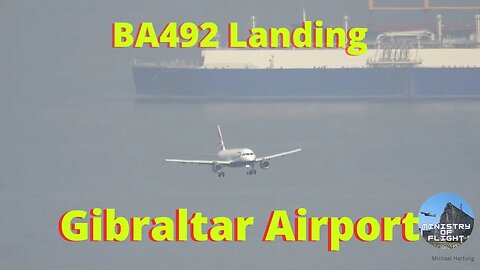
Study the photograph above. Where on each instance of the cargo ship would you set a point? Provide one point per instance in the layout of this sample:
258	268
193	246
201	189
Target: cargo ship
402	64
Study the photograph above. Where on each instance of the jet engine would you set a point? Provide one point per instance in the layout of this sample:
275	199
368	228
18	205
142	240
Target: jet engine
216	168
264	164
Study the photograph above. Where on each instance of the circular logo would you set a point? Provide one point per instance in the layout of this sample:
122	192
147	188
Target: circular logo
445	220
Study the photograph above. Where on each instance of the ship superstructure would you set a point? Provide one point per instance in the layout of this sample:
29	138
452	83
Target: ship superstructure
418	63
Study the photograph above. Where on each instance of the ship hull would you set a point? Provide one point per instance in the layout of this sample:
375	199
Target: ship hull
305	83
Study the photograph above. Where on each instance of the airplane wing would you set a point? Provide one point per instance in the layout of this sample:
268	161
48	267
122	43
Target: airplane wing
199	162
278	155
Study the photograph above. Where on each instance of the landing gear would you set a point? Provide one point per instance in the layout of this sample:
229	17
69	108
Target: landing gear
221	174
252	171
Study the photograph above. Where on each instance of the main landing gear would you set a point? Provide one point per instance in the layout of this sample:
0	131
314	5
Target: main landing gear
221	174
251	169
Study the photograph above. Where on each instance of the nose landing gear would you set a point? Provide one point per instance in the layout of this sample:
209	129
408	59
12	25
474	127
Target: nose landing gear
252	171
221	174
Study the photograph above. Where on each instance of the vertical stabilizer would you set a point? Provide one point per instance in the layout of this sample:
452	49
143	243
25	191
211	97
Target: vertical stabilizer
222	145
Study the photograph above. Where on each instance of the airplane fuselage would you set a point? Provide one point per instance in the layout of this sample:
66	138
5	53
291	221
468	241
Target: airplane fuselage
240	157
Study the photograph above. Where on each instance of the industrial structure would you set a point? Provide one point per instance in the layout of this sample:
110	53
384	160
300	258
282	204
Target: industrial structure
427	6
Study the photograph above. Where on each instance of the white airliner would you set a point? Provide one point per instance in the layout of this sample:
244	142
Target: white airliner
238	157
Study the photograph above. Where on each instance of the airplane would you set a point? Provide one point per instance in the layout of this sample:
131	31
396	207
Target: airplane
428	214
237	157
